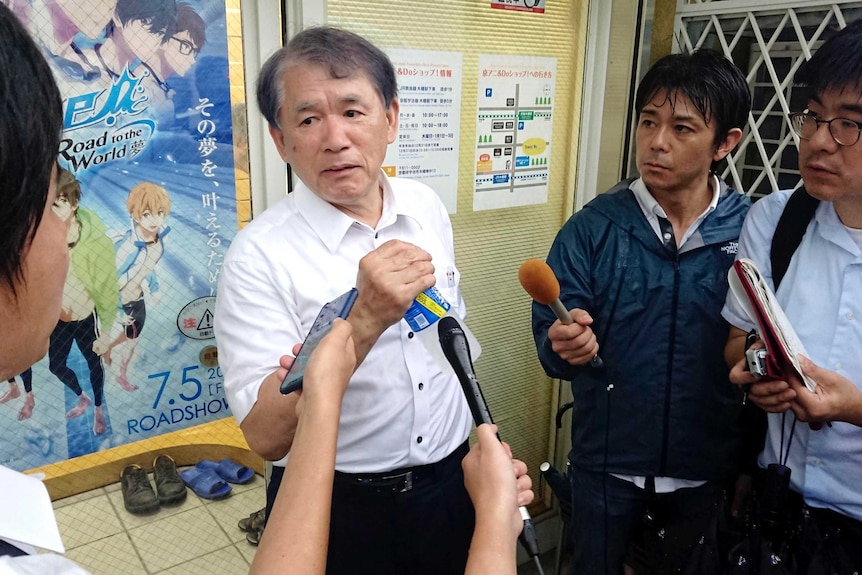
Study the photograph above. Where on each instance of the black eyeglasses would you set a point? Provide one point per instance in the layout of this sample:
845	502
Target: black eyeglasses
186	47
844	131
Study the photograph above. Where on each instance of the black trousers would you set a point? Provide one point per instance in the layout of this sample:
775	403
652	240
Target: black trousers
378	528
84	334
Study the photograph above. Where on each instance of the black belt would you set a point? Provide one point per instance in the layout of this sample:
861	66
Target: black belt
406	478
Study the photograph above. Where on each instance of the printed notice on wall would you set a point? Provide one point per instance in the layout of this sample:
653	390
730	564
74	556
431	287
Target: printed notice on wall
536	6
514	125
426	149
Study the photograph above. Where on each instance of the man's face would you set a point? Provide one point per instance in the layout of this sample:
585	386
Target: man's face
832	172
334	134
180	52
675	146
26	323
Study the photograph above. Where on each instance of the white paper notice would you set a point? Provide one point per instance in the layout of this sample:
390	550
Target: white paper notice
514	125
429	93
26	514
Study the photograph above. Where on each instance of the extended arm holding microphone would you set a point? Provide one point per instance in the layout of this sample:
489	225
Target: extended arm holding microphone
538	279
457	352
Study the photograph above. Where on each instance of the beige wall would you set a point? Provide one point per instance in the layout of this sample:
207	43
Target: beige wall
491	245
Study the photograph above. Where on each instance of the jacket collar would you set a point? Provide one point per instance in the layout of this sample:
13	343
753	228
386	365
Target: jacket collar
722	225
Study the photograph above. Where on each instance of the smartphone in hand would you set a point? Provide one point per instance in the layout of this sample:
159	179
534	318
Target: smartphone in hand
339	307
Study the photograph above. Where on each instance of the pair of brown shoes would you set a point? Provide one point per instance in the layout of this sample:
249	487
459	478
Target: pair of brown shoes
138	494
253	525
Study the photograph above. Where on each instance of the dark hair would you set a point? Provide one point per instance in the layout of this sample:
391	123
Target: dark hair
715	86
160	16
341	52
31	120
190	21
837	64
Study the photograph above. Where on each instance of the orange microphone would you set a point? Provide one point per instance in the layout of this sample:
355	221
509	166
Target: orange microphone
538	279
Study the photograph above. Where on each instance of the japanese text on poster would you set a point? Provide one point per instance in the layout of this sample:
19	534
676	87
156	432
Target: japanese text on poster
429	92
514	125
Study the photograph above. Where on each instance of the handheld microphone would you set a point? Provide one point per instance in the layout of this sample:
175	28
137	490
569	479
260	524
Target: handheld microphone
538	279
457	352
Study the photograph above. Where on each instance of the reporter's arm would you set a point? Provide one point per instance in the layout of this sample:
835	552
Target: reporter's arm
497	485
297	531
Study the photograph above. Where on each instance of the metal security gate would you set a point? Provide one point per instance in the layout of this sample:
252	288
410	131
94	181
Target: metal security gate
769	40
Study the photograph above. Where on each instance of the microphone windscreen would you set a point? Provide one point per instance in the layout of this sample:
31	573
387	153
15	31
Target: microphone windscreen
538	279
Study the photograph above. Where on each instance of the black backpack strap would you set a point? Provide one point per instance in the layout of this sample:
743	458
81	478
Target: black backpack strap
791	228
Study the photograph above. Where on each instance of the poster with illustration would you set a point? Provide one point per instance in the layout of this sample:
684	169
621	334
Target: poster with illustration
147	186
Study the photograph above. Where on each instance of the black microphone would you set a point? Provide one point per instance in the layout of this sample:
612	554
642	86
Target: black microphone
457	352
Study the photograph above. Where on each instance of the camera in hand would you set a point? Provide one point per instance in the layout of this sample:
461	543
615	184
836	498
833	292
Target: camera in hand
755	359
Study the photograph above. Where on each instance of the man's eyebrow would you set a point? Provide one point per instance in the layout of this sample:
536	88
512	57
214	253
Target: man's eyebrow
856	108
310	104
303	106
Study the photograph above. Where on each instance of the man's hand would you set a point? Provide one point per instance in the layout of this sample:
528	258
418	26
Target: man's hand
770	395
388	280
576	343
329	369
497	484
836	398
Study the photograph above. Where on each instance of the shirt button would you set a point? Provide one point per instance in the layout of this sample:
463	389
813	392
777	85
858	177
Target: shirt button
421	386
838	365
849	315
419	439
410	335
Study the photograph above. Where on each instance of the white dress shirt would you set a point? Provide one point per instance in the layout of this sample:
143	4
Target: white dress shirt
821	294
400	408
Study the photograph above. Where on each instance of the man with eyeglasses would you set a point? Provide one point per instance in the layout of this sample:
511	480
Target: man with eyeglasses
821	293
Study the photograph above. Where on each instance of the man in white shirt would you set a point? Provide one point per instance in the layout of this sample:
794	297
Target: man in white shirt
399	502
819	288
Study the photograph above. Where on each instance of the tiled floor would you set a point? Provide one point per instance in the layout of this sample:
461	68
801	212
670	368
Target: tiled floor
198	537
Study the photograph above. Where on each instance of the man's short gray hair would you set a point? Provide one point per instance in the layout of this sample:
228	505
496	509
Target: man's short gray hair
341	52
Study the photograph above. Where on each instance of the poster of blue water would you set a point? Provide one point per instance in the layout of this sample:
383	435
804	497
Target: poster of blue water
147	183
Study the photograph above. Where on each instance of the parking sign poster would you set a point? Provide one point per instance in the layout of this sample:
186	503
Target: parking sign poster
146	182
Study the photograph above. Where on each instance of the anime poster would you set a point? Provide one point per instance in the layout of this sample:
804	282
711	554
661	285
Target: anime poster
147	186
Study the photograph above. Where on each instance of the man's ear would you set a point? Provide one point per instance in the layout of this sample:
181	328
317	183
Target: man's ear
727	145
278	137
392	115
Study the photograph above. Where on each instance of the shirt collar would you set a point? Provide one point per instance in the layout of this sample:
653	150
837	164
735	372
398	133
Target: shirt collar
650	207
331	224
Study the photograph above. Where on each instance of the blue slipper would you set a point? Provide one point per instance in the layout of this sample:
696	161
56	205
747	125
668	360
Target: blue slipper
227	469
205	483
